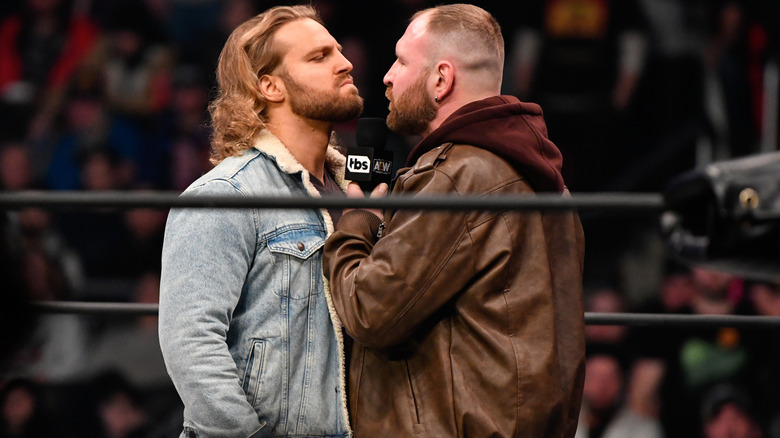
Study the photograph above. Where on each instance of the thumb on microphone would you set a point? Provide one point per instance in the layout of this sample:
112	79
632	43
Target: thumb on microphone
379	191
354	191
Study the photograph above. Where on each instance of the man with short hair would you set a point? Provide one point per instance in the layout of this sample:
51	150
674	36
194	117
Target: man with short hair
466	323
247	327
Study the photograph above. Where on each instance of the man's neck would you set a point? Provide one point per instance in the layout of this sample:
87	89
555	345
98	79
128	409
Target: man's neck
307	140
453	103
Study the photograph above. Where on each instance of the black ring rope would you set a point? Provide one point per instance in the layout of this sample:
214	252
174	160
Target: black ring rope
615	202
592	318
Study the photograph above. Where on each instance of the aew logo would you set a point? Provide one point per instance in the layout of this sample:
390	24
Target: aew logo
359	164
383	166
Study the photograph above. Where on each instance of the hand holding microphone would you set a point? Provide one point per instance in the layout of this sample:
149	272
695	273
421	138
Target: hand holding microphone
369	164
355	191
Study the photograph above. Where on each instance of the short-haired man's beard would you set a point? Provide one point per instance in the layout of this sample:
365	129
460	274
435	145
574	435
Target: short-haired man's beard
412	111
321	105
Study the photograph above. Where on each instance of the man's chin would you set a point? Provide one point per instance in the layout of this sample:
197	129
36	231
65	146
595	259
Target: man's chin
348	112
403	126
349	91
394	125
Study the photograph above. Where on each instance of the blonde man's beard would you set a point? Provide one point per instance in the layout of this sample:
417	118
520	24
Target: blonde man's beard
321	105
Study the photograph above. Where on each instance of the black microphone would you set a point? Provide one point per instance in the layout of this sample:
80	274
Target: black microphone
369	163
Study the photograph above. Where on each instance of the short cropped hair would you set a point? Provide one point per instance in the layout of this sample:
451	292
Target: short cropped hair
471	30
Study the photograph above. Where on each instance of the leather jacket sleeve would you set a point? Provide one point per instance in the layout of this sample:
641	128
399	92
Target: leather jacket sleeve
383	290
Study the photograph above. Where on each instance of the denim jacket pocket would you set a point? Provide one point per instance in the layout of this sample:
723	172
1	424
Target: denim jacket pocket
262	432
297	253
253	374
300	243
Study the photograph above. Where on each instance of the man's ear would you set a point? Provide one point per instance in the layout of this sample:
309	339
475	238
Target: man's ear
445	79
272	88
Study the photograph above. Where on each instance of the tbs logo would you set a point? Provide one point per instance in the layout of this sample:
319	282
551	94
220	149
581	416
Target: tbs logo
359	164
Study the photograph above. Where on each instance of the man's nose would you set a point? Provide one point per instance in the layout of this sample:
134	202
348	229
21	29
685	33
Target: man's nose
344	65
389	76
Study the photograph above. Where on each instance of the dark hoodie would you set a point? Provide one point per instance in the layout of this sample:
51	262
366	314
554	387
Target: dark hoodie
511	129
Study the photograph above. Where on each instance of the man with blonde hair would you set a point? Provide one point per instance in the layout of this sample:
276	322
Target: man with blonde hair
466	323
247	328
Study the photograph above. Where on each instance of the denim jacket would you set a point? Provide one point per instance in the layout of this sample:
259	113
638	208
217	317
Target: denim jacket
247	326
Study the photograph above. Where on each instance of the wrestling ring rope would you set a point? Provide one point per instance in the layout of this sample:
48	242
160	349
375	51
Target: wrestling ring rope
612	203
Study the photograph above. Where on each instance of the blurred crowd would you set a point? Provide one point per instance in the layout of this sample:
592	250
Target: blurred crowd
113	95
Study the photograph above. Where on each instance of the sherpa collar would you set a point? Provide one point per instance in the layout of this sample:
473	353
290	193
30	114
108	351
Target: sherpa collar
335	162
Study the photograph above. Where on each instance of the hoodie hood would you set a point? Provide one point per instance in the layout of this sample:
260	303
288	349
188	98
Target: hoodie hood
511	129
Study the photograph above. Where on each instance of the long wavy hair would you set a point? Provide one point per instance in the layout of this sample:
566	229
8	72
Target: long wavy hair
249	53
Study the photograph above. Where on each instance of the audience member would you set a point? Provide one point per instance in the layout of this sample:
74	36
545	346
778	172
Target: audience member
727	412
40	47
120	408
23	411
198	29
676	365
131	348
48	268
51	269
89	127
97	236
604	412
202	49
581	61
670	96
737	51
765	357
143	244
137	62
186	129
651	345
677	290
54	352
15	167
605	300
17	319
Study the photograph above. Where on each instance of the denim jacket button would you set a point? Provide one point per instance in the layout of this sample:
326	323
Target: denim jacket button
301	246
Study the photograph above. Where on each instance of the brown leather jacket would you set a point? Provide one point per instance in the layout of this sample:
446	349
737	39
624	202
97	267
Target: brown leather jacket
465	324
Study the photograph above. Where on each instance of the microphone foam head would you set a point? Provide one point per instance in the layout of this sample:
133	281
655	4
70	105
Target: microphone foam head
371	132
